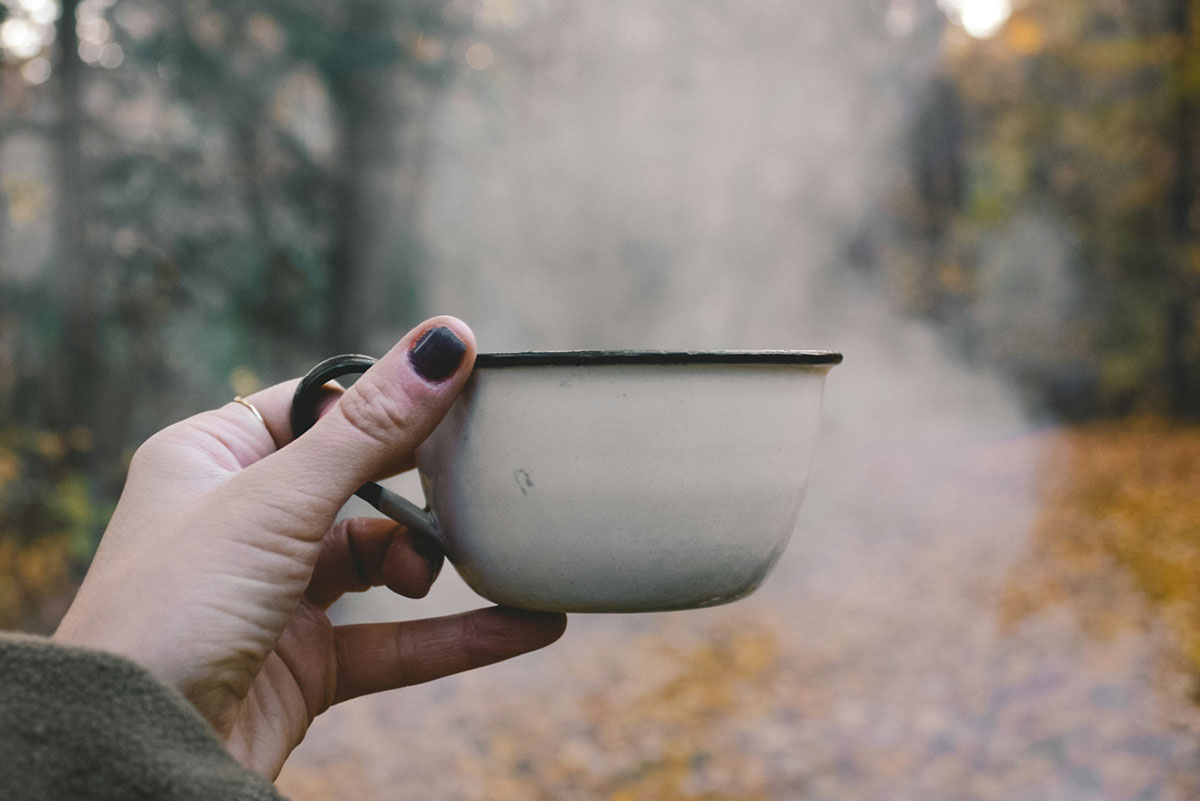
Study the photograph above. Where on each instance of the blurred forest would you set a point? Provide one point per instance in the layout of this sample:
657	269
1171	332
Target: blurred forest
197	199
1051	218
186	193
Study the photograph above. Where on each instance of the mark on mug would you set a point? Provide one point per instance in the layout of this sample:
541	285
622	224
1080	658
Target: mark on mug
524	482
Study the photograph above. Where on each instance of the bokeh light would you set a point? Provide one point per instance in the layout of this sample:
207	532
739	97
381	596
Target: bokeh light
980	18
20	37
479	56
111	56
901	18
30	28
36	70
41	12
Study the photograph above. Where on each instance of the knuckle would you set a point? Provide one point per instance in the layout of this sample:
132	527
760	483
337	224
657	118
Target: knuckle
144	455
345	535
151	452
299	511
378	413
208	433
406	655
473	639
342	660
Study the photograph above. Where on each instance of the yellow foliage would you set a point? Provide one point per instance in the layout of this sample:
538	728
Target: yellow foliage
50	445
1119	534
1115	58
9	467
244	381
1024	35
30	575
47	519
675	725
28	196
953	278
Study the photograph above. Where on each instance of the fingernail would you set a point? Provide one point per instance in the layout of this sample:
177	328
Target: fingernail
431	553
437	354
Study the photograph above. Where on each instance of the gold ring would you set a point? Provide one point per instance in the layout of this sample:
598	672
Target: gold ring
250	406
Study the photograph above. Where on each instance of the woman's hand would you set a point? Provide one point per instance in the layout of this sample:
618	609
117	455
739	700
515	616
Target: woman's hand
223	555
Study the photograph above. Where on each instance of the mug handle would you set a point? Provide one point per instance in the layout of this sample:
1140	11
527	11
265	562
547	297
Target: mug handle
304	415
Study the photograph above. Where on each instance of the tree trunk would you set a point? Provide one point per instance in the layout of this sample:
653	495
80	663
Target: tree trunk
1180	286
371	276
344	329
937	146
80	368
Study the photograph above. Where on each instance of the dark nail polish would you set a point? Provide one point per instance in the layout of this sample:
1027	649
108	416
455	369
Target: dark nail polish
437	354
431	553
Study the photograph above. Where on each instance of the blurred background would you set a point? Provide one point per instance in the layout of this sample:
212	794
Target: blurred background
989	205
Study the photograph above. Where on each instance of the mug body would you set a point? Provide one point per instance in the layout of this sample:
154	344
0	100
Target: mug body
592	482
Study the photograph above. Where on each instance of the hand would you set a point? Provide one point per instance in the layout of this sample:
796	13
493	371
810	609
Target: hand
223	555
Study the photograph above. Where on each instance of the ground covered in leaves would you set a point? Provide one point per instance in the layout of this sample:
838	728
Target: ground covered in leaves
1010	635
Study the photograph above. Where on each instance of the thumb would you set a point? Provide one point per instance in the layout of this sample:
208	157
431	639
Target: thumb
371	431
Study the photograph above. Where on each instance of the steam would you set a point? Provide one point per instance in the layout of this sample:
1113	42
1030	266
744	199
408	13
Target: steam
666	175
684	176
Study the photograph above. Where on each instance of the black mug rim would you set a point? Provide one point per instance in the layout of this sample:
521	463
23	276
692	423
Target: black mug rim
580	358
308	392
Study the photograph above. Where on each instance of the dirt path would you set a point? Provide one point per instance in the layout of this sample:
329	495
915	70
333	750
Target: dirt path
879	662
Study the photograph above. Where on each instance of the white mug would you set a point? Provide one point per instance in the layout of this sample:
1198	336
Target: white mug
595	481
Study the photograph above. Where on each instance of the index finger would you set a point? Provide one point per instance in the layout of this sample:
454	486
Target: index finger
373	657
275	405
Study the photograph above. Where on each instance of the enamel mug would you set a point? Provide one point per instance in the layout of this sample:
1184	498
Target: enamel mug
596	481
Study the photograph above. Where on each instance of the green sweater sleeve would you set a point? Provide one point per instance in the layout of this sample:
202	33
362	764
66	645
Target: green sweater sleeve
78	724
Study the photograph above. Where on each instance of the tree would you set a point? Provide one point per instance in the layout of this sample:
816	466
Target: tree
213	184
1182	347
80	354
1082	116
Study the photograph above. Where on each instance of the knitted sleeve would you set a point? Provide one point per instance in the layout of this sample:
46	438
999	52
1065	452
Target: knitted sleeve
78	724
